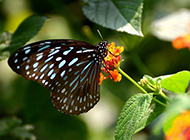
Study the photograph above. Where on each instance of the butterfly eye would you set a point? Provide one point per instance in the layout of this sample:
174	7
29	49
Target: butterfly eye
70	69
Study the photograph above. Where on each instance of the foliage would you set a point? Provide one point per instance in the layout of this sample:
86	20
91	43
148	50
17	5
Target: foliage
126	15
12	126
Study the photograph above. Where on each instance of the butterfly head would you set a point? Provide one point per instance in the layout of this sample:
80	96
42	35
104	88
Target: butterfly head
102	50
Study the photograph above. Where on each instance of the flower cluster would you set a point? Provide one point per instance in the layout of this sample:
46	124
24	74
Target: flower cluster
182	42
180	129
111	62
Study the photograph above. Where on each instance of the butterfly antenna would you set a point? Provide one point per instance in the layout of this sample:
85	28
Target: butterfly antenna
100	34
113	54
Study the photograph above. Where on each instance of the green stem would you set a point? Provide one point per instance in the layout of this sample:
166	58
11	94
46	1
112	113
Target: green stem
150	87
159	102
138	86
164	96
130	79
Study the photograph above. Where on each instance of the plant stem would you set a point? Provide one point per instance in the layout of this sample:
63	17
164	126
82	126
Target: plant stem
138	86
159	102
164	96
130	79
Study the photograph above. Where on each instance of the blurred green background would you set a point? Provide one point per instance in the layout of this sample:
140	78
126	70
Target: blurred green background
152	55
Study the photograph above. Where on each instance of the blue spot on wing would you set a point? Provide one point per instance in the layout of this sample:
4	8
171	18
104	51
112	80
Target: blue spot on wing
87	66
74	81
25	58
85	74
82	63
44	67
71	48
93	73
75	86
27	51
65	78
25	48
49	59
63	73
73	61
53	76
44	47
50	72
76	73
62	64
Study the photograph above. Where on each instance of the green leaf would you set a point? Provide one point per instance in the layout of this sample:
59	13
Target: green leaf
143	122
26	30
4	55
156	111
132	116
12	126
22	132
119	15
4	41
8	124
176	83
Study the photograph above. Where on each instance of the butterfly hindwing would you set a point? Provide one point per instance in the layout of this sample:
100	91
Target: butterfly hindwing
80	95
66	67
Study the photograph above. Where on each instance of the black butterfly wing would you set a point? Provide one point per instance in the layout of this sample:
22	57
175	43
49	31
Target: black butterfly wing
66	67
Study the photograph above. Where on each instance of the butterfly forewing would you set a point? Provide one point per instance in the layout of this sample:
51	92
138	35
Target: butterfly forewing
69	68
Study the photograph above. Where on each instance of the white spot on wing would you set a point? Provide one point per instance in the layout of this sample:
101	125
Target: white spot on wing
27	67
35	65
64	101
51	66
16	60
50	72
39	57
42	76
88	50
66	52
58	58
80	51
63	90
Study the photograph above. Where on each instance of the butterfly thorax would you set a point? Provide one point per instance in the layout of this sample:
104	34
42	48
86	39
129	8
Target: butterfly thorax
102	51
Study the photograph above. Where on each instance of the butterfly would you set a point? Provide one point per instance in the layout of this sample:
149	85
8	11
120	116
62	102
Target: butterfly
70	69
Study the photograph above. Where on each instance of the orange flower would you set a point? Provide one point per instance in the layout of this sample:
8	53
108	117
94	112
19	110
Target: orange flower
116	75
111	62
101	78
182	42
180	129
